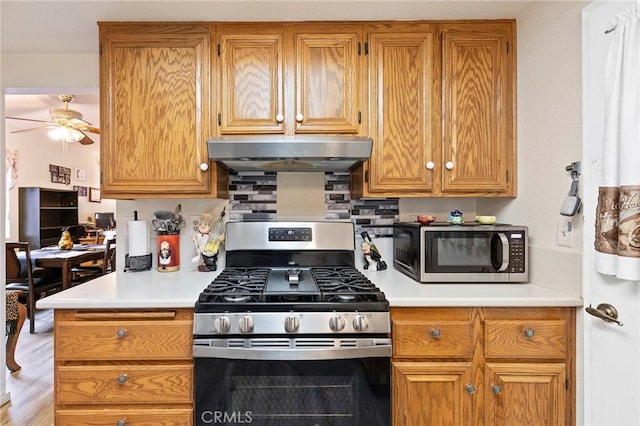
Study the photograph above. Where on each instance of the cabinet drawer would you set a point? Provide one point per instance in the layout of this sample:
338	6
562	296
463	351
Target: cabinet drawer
155	417
525	339
120	384
123	338
432	339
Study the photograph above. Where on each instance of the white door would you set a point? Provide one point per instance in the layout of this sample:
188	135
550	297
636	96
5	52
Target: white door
611	387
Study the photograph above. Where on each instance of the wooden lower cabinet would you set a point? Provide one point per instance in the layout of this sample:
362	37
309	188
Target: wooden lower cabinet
123	367
483	366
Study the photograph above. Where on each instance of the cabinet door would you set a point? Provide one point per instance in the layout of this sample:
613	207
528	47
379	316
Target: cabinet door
154	101
403	124
327	60
435	394
531	394
478	94
251	85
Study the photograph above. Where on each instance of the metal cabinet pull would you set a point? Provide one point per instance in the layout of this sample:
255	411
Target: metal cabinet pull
435	334
529	332
470	389
496	389
122	333
121	422
605	312
122	379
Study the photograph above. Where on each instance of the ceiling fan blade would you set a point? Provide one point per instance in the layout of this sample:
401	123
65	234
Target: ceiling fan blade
30	119
92	130
33	128
86	140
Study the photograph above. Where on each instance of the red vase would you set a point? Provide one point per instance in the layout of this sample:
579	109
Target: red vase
168	252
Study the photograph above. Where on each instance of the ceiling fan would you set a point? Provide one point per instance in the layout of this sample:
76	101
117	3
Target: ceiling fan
66	124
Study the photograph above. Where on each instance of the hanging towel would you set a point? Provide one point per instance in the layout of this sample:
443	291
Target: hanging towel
617	241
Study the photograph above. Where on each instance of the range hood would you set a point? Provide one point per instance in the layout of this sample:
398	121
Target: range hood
276	153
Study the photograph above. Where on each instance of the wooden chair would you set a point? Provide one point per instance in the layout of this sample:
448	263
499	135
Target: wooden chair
28	278
106	265
16	315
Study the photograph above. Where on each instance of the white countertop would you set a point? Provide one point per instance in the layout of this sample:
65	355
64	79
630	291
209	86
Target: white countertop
180	289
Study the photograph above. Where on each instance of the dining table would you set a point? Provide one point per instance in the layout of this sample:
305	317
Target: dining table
64	260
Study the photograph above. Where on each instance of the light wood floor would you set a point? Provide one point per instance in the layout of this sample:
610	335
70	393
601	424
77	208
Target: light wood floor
31	387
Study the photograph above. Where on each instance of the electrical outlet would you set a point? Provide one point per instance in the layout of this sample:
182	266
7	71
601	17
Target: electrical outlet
565	231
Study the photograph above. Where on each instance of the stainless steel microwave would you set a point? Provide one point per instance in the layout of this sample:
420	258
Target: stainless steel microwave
440	252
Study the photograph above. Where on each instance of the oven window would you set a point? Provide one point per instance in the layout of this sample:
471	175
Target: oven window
300	393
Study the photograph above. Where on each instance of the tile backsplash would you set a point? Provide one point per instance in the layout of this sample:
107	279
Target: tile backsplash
253	196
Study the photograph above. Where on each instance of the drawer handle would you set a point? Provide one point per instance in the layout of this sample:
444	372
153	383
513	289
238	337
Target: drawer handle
529	332
121	422
122	379
470	389
496	389
435	334
122	333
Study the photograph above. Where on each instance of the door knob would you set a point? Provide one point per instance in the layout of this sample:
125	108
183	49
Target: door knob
449	165
605	312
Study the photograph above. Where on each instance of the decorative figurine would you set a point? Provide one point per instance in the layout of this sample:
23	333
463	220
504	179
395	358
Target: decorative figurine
208	240
455	218
372	256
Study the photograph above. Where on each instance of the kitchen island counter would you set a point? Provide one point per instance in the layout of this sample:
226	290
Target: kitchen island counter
180	289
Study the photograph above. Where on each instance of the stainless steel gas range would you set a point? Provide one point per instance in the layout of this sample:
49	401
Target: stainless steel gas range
290	332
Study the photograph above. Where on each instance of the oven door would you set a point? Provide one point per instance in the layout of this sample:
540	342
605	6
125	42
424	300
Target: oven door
262	382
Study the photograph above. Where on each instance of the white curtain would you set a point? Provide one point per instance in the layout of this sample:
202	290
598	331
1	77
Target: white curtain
617	241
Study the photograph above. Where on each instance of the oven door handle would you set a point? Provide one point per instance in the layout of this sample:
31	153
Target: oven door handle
373	348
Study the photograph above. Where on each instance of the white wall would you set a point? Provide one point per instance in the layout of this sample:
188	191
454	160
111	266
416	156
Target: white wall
37	151
549	138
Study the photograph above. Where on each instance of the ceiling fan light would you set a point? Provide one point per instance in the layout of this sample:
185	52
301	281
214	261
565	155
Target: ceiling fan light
64	133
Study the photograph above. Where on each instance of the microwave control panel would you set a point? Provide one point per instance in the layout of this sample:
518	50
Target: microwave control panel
517	249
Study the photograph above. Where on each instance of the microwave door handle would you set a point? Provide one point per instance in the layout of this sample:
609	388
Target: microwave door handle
504	248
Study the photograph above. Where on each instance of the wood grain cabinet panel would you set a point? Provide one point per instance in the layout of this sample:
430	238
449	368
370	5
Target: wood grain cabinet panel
478	80
531	394
526	339
444	384
289	78
435	339
520	367
442	110
154	110
124	384
129	362
128	417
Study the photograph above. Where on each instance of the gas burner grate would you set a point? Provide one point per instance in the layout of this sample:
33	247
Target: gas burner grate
236	285
345	284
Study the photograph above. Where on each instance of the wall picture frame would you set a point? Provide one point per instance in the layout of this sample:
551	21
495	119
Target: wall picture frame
94	195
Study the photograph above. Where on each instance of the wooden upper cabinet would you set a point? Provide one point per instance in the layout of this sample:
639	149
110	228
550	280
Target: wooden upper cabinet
289	78
442	110
154	107
251	78
478	84
328	84
403	111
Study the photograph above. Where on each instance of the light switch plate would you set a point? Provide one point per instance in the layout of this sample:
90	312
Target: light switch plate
565	231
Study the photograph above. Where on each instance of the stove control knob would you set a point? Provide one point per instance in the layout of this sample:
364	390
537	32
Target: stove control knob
291	324
360	323
246	324
337	323
222	325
